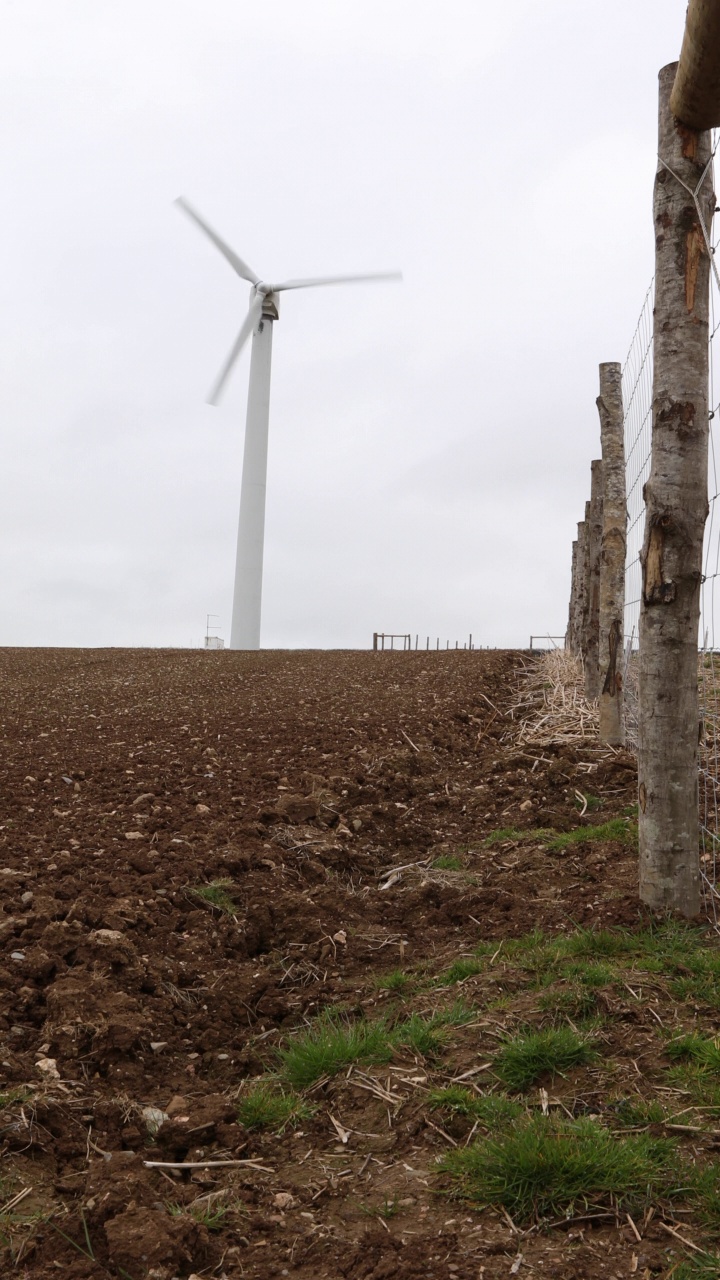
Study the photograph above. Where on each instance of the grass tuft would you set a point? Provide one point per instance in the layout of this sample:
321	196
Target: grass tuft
216	895
464	967
702	1050
522	1060
570	1002
212	1217
267	1106
546	1166
491	1109
330	1044
395	981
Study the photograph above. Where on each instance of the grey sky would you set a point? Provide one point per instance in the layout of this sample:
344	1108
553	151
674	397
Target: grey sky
430	442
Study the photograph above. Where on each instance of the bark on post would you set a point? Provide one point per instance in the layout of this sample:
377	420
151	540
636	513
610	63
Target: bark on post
676	508
580	593
612	553
570	639
591	651
695	96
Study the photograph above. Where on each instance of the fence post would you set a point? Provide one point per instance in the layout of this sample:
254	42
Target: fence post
695	97
375	634
592	585
580	594
570	642
612	553
676	504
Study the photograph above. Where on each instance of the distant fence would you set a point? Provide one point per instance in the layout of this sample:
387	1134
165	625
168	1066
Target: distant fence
405	642
556	642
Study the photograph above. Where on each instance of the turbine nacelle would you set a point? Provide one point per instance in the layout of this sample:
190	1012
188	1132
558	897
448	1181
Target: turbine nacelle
270	300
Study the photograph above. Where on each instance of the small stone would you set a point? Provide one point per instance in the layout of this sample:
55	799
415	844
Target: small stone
157	1045
526	804
154	1118
27	898
17	955
48	1066
283	1200
356	824
202	809
176	1105
133	835
142	799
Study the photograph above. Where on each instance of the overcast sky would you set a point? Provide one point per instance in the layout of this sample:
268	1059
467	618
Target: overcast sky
430	441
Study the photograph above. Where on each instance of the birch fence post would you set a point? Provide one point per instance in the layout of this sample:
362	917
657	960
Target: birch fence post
676	505
592	602
612	554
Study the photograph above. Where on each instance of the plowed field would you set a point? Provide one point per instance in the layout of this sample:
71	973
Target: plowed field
202	856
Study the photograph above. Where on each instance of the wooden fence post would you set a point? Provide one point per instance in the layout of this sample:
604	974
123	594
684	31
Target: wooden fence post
676	505
570	636
695	97
612	553
591	651
581	595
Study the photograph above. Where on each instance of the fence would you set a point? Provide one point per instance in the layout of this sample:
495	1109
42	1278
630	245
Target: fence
660	416
405	642
637	386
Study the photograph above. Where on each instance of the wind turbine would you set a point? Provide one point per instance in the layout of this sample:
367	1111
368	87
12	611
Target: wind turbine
262	312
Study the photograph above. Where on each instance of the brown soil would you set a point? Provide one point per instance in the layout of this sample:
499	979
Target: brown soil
130	778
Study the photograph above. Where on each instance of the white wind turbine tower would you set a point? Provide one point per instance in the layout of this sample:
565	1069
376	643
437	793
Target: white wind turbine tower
263	310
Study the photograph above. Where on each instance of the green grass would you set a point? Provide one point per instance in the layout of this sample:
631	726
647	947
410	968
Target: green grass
704	1266
395	981
547	1167
524	1059
464	967
636	1113
699	1083
267	1106
447	862
591	975
700	1049
213	1218
569	1002
428	1036
330	1044
215	894
11	1096
504	834
491	1109
615	829
593	803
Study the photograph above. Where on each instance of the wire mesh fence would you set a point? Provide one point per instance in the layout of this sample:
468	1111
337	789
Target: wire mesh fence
637	386
637	383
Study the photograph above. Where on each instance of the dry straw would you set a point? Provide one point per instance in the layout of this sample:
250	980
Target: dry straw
552	707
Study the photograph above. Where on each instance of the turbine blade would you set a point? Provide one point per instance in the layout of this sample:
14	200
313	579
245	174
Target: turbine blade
320	280
236	262
251	319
